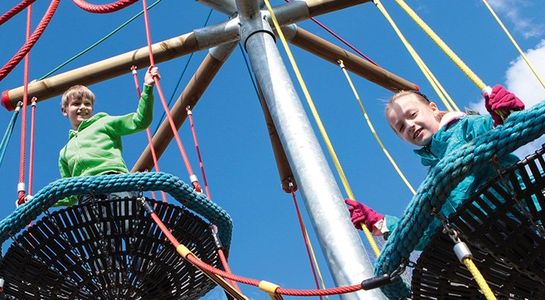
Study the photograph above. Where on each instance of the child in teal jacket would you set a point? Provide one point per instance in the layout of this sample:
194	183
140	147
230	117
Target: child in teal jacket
418	121
94	146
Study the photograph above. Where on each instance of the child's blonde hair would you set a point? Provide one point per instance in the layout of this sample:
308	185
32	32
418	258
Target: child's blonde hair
421	97
77	92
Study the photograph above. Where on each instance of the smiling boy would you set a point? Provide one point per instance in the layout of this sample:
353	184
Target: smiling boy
94	146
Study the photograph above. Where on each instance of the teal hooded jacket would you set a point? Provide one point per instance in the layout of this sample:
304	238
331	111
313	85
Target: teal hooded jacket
446	140
95	147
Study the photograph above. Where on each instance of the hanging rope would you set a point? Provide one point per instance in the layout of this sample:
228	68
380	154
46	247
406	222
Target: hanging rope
197	149
436	85
519	129
308	244
103	8
15	10
327	141
89	48
221	254
30	42
31	147
514	42
9	130
192	176
21	190
184	251
148	133
180	78
264	285
372	128
446	49
470	265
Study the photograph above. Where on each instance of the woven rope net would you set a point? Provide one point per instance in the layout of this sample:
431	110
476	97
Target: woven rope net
503	225
108	249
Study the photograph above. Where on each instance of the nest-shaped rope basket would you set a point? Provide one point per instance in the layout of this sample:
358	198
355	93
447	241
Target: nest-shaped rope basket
503	225
109	249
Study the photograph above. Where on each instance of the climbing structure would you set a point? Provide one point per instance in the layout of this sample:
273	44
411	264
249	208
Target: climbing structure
112	249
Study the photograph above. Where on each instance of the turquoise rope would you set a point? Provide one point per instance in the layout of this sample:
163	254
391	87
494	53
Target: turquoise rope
519	129
149	181
7	135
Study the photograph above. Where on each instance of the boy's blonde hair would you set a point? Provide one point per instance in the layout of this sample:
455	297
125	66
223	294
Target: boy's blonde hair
77	92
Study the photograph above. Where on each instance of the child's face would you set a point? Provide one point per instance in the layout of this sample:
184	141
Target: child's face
78	110
413	119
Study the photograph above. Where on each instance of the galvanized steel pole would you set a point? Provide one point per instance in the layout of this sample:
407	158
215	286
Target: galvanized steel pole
347	259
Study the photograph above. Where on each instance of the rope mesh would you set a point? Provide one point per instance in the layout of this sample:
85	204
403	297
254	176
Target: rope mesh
503	225
109	249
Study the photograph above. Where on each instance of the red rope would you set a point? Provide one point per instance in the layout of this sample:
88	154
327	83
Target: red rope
15	10
249	281
148	133
31	150
221	254
31	41
192	175
103	8
196	141
305	238
21	193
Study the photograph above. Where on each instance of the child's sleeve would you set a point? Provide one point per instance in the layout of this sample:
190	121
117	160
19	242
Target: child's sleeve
137	121
63	168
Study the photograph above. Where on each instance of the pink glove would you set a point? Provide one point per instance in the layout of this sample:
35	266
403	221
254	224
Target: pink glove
500	103
361	214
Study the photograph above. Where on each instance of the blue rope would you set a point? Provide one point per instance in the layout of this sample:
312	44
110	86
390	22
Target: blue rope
149	181
7	135
519	129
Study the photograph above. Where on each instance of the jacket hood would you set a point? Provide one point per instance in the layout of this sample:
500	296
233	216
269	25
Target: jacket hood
85	123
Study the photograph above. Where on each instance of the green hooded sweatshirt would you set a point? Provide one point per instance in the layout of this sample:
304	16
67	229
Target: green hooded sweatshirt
95	147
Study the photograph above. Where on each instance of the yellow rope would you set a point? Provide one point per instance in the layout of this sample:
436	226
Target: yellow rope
489	295
436	85
315	261
315	112
465	69
514	43
372	128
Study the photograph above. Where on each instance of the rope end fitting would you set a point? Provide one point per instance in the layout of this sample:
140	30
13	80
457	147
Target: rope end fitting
133	69
270	288
462	251
195	182
183	251
188	109
340	63
486	90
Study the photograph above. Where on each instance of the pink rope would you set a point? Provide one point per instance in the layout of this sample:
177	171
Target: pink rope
15	10
103	8
16	59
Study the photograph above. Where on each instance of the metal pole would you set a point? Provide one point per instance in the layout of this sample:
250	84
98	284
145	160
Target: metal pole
347	259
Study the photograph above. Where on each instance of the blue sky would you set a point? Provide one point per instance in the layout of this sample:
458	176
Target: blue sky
233	138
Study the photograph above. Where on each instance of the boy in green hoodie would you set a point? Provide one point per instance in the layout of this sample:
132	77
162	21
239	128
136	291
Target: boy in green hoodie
94	145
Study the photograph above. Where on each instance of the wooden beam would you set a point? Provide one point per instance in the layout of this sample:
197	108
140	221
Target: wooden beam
355	64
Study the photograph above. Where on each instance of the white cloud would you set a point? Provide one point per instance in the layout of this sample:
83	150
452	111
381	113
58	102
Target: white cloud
512	10
521	81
